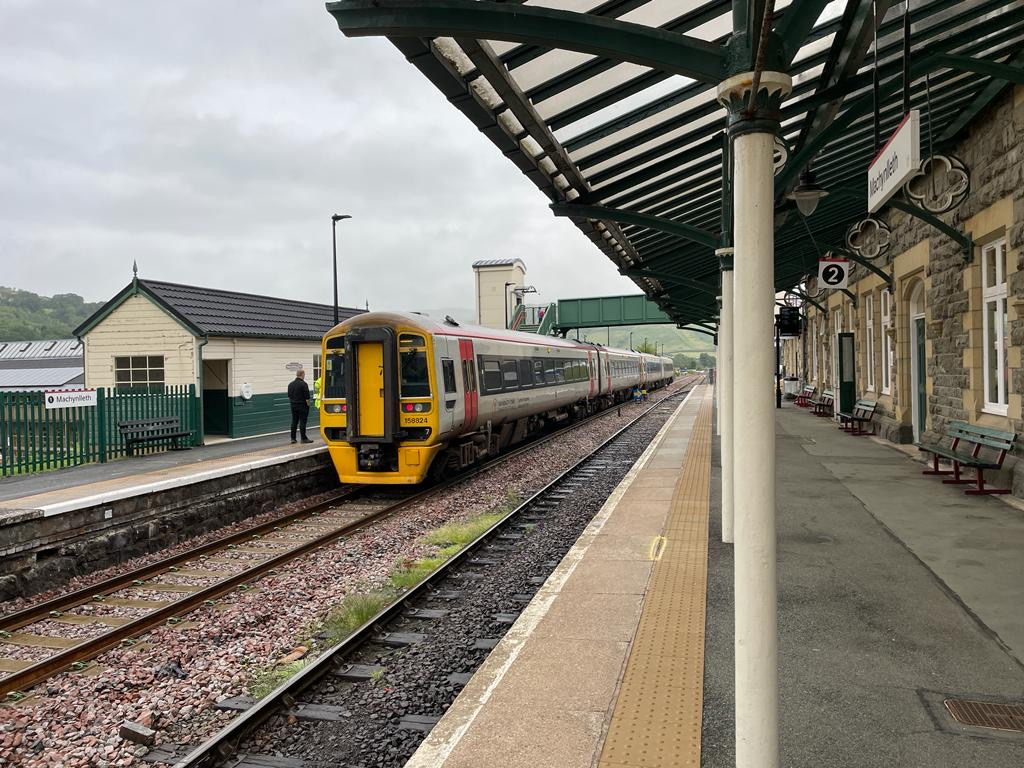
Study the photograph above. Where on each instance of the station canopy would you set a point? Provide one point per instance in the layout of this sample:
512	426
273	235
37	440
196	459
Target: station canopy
611	108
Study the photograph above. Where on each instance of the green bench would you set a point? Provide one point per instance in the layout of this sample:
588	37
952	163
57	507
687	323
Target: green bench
823	405
965	450
861	413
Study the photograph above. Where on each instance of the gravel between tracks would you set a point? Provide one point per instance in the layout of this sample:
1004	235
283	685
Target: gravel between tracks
73	720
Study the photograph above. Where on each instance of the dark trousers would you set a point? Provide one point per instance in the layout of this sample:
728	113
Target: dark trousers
300	414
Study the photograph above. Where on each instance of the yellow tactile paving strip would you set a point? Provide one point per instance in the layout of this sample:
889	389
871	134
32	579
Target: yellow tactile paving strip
657	718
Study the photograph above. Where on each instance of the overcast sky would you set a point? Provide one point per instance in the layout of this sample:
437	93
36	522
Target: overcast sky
211	142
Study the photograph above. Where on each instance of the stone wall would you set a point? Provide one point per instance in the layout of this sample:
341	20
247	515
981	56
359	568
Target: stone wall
993	151
38	552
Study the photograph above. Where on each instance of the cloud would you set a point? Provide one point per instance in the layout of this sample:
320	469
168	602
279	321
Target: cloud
211	142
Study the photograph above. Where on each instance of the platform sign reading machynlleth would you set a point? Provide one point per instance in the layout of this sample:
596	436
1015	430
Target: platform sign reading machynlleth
899	158
70	398
833	273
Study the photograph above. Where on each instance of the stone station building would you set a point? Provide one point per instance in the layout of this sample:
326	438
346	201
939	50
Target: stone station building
945	342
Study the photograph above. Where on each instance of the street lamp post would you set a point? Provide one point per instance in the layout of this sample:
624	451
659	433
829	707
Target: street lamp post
335	218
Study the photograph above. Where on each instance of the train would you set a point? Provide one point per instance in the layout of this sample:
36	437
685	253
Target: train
406	397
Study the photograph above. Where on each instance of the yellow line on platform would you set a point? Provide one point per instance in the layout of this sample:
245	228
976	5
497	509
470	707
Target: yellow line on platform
657	718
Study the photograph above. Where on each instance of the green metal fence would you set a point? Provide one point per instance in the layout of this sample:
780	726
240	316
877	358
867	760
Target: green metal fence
36	439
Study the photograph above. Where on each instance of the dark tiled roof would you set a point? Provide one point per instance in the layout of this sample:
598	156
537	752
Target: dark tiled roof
227	313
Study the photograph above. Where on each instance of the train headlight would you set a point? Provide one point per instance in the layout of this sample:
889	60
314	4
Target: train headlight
336	408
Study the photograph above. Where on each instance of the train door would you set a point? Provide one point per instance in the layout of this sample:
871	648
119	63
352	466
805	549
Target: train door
608	372
452	408
470	394
593	374
371	389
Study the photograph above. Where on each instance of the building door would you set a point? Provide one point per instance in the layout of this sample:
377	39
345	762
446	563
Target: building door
847	373
216	412
920	391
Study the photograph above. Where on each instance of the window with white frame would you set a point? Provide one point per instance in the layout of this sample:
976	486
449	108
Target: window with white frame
869	328
994	325
886	345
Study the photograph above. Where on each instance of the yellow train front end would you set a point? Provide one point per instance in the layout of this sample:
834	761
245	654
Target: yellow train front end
379	414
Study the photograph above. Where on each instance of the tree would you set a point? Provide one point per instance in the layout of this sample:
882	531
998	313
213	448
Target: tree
706	361
647	347
26	316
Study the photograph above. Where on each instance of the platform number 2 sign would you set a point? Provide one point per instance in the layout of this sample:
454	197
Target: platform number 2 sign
833	273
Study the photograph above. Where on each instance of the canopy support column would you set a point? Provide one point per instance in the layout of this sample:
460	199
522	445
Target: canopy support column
753	412
725	389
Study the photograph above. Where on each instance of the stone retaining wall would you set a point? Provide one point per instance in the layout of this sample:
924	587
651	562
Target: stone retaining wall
39	552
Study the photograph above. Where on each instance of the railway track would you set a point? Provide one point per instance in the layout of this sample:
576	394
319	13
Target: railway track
462	593
67	632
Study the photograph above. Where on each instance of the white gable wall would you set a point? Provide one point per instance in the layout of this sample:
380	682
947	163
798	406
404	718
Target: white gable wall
139	327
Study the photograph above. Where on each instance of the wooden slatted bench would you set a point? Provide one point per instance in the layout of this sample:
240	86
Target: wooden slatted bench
964	450
823	405
861	413
804	398
138	431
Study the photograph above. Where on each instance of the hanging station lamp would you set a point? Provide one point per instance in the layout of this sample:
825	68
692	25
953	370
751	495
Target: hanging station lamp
807	193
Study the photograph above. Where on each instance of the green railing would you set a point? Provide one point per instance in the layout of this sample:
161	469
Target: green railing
36	439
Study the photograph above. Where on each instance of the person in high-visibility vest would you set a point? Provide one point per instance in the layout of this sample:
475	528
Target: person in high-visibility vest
317	384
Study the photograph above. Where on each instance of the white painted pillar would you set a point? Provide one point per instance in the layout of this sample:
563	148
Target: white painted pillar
756	649
725	383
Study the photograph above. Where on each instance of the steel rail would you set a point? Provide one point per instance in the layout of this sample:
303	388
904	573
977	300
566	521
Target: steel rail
14	682
223	745
42	610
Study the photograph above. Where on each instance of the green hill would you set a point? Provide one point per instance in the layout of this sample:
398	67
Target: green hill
685	347
26	316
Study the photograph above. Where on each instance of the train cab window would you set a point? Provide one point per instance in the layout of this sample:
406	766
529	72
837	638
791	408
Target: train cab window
413	364
334	374
492	376
525	373
510	373
448	370
538	372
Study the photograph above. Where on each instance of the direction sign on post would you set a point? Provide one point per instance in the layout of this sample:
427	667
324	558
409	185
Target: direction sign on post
833	273
898	160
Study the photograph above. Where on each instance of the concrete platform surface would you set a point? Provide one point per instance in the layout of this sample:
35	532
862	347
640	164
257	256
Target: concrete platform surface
896	592
879	620
546	694
54	491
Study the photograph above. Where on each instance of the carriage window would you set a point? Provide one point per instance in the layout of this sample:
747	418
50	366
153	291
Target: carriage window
448	369
334	375
510	373
525	373
413	364
538	372
492	376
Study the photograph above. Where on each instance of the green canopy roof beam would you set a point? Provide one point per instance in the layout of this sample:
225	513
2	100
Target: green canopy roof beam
864	263
599	213
796	25
671	277
623	41
809	300
698	329
865	104
964	240
982	100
